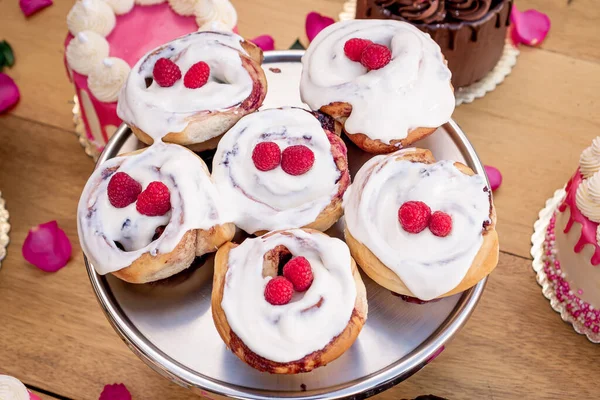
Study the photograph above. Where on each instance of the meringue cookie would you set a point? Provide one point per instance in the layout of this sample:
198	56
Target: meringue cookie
215	10
215	26
183	7
107	79
120	7
589	161
85	51
92	15
148	2
12	389
588	197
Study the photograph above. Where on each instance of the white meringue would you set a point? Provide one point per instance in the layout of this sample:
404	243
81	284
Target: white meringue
85	51
588	197
149	2
183	7
216	10
12	389
107	79
589	161
120	7
91	15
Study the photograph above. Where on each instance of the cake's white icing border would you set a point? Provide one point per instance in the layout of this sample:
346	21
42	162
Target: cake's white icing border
475	90
537	252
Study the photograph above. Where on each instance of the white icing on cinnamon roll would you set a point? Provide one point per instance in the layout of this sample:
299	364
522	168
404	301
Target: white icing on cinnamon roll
194	205
410	92
159	110
427	264
312	319
269	200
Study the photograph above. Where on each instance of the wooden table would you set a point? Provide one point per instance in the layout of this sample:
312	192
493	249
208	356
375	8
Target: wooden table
54	337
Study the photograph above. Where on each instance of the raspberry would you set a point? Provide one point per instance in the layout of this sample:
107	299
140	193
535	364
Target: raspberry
279	291
354	47
166	72
299	272
375	56
123	190
197	75
297	160
414	216
440	224
155	200
266	156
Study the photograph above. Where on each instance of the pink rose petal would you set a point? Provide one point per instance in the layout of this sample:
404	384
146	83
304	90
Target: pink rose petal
30	7
9	93
494	176
33	396
47	247
315	23
529	27
265	42
116	391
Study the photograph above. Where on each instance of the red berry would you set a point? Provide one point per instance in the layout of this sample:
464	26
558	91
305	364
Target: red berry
279	291
155	200
297	160
266	156
166	72
123	190
414	216
440	224
354	47
299	272
375	56
197	75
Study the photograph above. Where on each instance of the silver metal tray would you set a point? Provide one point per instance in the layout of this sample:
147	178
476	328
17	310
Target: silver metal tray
169	324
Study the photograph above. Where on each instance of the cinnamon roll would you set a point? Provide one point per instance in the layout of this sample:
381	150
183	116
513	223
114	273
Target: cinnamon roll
192	90
421	228
396	92
271	323
145	216
279	169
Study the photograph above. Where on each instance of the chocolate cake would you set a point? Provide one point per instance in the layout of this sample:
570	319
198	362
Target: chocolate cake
471	33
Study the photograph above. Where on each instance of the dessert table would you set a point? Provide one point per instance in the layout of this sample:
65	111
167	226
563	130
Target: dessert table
55	338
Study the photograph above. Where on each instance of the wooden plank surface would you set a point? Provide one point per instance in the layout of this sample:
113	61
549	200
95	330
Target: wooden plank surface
54	336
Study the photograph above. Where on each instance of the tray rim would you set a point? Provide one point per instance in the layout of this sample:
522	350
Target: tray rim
357	389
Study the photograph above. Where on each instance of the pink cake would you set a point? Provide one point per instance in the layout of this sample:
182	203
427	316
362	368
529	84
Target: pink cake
107	37
572	246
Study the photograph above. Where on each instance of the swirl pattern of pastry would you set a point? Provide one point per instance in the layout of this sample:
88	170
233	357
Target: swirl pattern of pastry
423	263
193	112
385	108
264	200
134	239
314	328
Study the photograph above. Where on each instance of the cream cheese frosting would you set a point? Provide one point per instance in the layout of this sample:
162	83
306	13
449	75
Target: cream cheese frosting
589	161
91	15
289	332
412	91
120	7
107	78
270	200
12	389
588	197
428	265
183	7
195	204
207	11
86	51
159	110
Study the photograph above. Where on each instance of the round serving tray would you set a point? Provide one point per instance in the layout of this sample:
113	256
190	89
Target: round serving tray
169	324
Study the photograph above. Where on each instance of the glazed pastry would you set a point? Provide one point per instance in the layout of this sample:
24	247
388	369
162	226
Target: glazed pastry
396	92
292	323
192	90
145	216
279	168
421	228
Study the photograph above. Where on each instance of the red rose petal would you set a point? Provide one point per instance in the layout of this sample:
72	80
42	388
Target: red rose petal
529	27
315	23
30	7
494	176
9	93
47	247
117	391
265	42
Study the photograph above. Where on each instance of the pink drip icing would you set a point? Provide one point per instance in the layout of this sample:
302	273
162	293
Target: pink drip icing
588	231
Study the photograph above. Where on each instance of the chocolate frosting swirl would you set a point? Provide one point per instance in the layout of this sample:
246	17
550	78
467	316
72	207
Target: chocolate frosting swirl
428	11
